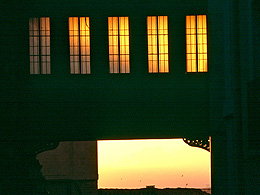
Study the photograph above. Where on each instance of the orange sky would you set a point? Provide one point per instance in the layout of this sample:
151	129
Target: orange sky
163	163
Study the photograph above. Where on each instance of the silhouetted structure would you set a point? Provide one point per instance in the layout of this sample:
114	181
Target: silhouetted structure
39	110
152	191
71	168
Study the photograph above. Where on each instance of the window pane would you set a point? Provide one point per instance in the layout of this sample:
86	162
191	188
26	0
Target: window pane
118	37
74	44
157	38
163	43
85	43
196	43
191	44
152	44
39	36
202	43
79	39
124	44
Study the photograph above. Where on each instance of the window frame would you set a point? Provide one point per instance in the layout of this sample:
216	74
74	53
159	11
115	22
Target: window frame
40	43
84	60
158	45
206	68
119	54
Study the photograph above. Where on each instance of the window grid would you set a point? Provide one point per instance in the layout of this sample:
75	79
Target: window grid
39	43
202	43
79	37
119	55
163	43
124	44
157	35
196	43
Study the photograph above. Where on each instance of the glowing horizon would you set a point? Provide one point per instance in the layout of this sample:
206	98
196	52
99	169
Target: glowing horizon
164	163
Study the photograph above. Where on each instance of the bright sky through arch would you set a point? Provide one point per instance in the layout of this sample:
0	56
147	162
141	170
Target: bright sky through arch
163	163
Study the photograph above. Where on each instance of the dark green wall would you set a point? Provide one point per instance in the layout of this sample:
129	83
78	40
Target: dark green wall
101	105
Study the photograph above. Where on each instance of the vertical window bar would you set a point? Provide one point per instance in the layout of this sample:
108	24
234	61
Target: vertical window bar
118	46
159	42
73	25
191	45
202	43
85	45
34	45
124	44
79	45
76	46
113	44
158	46
152	43
47	33
82	40
163	43
121	25
43	45
40	45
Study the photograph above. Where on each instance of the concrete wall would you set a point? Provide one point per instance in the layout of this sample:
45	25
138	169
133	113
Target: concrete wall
70	166
233	35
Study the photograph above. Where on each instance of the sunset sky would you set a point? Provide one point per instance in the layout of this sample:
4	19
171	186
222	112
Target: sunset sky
163	163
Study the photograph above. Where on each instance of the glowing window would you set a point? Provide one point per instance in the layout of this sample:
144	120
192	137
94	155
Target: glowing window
196	43
39	43
79	37
157	35
118	35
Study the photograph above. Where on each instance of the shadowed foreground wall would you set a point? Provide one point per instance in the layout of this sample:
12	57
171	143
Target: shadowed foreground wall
71	167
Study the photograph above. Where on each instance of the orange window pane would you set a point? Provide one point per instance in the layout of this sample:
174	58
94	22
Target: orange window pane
191	43
202	43
79	39
196	43
163	43
39	45
118	38
157	39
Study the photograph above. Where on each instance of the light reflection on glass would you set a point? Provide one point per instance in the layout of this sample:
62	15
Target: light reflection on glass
196	43
39	43
118	37
79	39
157	37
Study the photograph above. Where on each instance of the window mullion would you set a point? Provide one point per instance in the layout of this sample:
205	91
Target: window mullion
46	45
40	49
119	59
79	45
158	54
197	59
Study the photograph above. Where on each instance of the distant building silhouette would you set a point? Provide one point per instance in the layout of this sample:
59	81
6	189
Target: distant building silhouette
152	191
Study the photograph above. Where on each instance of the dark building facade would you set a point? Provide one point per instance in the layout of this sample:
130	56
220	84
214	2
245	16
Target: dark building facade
42	106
